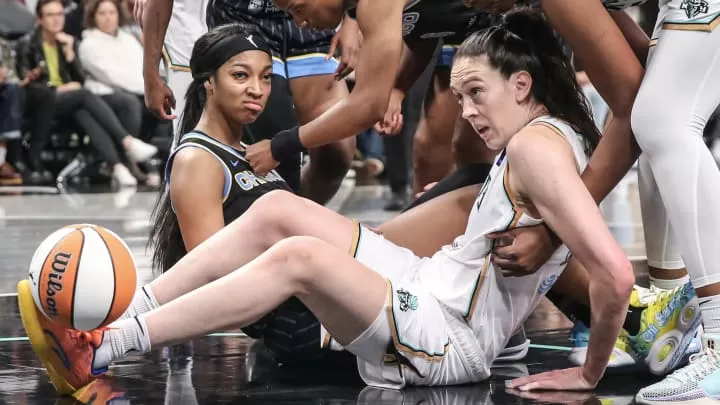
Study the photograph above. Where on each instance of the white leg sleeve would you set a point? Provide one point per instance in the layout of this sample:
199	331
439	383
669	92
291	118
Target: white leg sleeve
679	93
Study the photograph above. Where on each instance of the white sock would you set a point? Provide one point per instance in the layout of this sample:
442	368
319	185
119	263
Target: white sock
126	336
3	154
143	301
668	284
710	311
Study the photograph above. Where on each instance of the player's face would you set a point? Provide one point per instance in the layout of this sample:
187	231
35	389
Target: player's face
319	14
242	86
496	107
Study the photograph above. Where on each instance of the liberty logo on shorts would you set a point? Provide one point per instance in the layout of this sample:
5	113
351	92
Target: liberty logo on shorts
547	284
694	7
407	300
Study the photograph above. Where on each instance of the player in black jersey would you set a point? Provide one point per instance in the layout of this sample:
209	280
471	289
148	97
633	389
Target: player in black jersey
210	183
301	65
302	57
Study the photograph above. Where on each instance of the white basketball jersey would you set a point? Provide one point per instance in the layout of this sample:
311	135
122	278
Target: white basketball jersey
187	24
466	281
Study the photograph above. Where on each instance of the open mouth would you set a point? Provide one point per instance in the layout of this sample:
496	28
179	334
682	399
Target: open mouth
482	130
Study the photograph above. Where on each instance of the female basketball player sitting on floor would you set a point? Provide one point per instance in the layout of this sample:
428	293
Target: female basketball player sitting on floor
386	305
211	184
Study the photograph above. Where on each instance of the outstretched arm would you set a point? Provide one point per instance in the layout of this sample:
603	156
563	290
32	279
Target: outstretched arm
543	170
381	28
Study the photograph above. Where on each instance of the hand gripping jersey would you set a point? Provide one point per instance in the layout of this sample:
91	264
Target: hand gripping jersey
242	187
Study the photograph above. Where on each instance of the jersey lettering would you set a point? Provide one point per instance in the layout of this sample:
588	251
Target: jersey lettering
247	180
409	21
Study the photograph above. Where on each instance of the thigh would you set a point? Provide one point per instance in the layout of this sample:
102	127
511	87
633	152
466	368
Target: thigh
123	101
680	85
315	94
424	229
68	102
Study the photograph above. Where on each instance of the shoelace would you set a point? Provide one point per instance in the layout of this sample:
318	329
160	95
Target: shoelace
701	364
656	304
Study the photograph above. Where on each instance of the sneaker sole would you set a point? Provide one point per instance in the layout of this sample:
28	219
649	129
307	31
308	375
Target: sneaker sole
30	321
678	354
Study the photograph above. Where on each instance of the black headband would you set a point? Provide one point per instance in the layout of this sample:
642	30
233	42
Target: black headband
225	49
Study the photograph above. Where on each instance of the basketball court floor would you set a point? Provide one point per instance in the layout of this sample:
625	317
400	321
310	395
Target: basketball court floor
227	367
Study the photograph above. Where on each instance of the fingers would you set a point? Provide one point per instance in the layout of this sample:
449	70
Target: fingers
430	185
333	46
343	71
528	383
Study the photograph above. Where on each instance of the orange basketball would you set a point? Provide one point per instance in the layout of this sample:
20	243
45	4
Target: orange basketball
83	276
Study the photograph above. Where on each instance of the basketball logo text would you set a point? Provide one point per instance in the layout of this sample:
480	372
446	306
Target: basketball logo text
58	267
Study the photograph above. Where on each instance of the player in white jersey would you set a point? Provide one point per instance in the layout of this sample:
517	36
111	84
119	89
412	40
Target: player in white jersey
423	321
187	24
668	108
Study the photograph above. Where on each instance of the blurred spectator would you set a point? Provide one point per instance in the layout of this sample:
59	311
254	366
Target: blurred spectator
112	59
58	94
370	145
10	124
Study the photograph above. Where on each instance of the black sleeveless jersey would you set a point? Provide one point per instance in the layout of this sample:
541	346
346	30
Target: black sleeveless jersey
448	20
242	186
261	9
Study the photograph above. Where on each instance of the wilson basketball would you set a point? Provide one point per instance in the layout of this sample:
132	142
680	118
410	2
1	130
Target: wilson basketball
83	276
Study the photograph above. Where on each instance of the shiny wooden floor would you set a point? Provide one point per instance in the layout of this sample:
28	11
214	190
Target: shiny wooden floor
233	369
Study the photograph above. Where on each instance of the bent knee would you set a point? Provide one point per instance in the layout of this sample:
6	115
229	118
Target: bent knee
273	214
272	203
298	258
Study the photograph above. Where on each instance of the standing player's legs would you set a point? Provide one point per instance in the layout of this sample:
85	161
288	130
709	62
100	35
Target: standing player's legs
679	93
665	264
314	90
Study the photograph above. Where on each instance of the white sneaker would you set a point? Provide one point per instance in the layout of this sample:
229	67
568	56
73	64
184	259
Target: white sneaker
124	178
698	383
139	151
